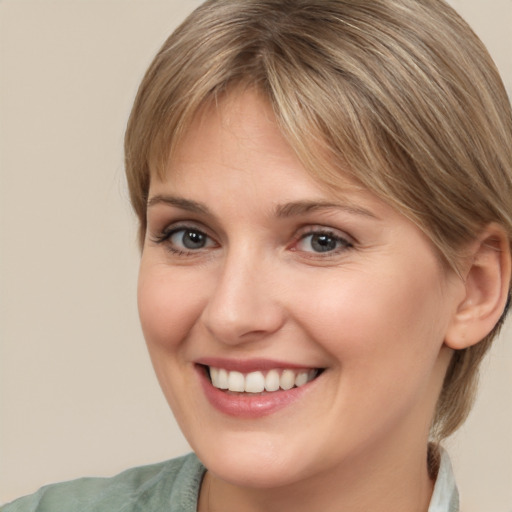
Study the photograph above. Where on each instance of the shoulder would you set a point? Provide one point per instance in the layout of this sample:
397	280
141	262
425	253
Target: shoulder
170	485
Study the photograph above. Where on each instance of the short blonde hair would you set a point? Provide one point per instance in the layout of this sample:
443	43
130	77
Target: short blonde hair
399	94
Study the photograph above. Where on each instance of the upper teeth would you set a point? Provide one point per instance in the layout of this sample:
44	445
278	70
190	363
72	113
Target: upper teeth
257	382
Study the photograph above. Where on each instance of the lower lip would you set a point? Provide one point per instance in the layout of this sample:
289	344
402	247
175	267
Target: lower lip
247	405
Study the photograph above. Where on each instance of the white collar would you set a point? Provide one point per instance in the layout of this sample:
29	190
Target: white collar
445	497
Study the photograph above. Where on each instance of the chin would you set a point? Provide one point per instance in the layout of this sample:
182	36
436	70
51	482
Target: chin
250	460
254	474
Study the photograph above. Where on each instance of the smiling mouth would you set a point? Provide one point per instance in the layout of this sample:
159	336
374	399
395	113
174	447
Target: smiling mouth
260	381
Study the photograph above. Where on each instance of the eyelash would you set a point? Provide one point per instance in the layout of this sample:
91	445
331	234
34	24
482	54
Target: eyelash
166	235
342	243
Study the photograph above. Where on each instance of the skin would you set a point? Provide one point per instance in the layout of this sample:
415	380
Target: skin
373	312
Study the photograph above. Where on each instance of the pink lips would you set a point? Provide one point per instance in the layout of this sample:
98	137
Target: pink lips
247	405
247	365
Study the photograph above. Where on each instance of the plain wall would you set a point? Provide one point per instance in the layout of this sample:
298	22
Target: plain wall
77	391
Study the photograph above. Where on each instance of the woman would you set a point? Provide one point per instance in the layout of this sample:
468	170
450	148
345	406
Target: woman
324	197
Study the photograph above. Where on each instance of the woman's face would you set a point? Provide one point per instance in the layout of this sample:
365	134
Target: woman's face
256	274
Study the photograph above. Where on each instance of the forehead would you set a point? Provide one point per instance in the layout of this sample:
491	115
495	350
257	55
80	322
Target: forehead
240	129
236	144
238	132
246	121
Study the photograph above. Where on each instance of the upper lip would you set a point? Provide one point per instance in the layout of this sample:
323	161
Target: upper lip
250	365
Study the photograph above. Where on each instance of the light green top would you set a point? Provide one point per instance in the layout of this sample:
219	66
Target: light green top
171	486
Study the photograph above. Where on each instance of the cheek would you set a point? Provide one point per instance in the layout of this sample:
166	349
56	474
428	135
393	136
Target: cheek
168	311
369	318
384	333
167	308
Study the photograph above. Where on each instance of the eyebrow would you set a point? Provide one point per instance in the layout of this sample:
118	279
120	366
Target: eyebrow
179	202
302	207
292	209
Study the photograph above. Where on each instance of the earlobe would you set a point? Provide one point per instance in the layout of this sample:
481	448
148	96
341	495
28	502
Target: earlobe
487	281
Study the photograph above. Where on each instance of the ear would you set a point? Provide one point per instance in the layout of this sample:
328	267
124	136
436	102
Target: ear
487	281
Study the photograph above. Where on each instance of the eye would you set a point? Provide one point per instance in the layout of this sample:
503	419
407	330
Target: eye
189	239
322	242
183	240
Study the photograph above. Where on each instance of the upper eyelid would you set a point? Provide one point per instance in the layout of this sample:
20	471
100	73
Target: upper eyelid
314	229
178	225
164	234
160	223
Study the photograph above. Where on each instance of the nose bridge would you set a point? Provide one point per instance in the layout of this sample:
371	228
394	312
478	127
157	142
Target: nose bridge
243	307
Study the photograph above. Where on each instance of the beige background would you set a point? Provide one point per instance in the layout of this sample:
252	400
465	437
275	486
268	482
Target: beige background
77	393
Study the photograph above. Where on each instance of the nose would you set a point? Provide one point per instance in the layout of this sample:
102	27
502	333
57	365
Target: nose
244	306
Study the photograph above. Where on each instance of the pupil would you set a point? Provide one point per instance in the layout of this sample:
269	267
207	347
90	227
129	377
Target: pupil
323	243
193	240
